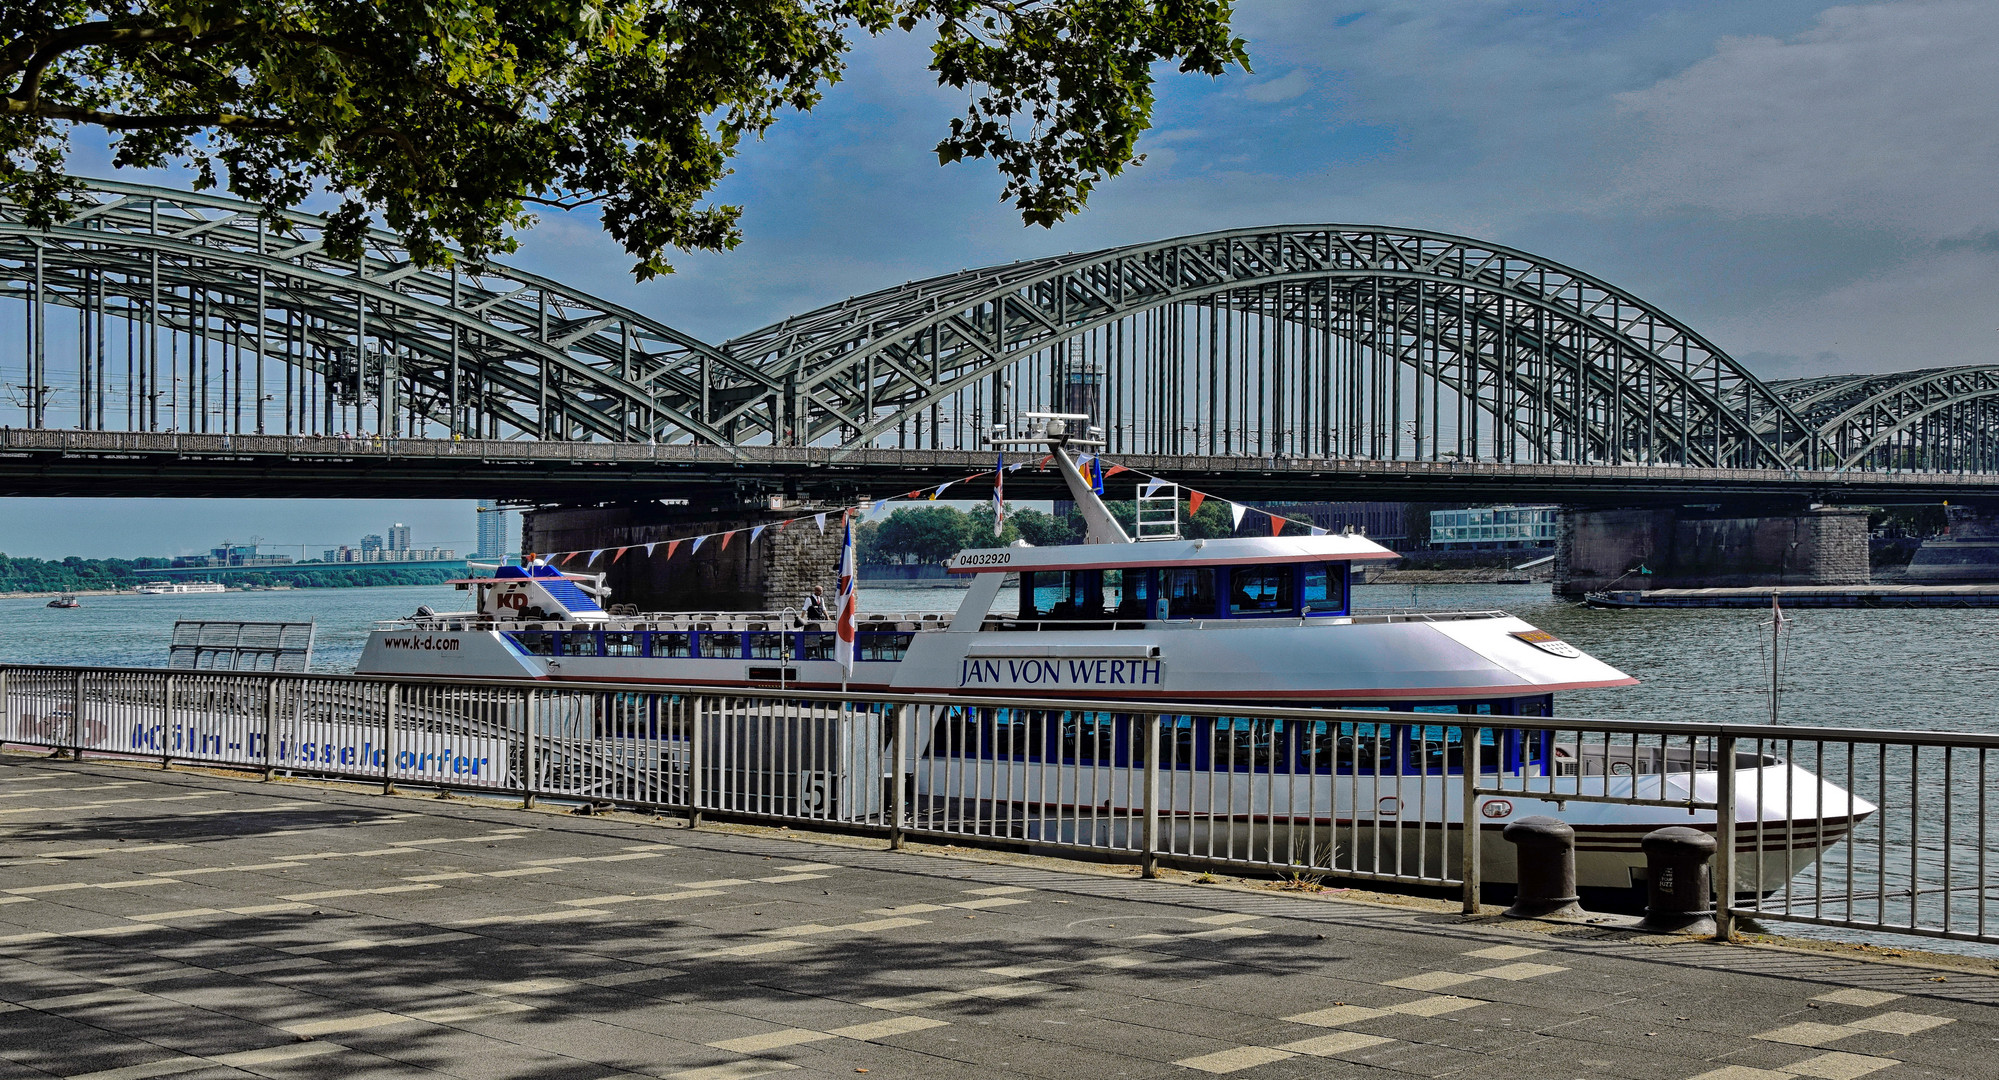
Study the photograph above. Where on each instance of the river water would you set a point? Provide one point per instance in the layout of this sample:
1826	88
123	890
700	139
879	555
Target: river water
1935	670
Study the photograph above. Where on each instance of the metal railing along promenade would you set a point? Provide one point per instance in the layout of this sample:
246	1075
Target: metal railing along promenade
1360	795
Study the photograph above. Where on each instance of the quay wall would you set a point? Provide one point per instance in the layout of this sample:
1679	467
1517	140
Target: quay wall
1682	549
774	572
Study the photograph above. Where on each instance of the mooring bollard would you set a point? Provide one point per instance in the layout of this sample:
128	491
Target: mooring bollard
1677	897
1545	851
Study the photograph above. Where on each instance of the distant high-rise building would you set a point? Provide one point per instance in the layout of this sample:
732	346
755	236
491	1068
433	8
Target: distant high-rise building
399	537
371	547
492	531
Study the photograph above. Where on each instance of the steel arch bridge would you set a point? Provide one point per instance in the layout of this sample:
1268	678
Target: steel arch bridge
195	313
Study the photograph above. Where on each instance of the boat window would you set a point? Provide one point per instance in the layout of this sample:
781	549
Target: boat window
1129	592
669	644
720	644
1088	738
535	644
1011	734
622	643
1349	748
1176	742
813	645
1260	590
578	643
1062	594
1189	594
1322	589
880	646
1245	745
767	645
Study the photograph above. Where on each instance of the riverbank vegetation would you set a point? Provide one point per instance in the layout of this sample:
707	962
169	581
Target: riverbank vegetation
73	574
930	535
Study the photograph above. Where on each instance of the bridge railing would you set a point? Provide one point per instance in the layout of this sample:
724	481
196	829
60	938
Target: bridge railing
1886	831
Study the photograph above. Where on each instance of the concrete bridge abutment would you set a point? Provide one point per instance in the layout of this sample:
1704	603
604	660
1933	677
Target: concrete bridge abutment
772	573
1691	547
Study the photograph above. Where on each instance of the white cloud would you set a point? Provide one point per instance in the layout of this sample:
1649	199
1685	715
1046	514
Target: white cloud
1283	88
1879	115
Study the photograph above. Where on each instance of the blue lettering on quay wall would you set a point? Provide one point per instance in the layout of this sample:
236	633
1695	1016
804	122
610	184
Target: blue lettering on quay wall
471	762
976	672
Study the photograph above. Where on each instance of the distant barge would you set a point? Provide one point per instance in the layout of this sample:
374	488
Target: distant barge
1803	596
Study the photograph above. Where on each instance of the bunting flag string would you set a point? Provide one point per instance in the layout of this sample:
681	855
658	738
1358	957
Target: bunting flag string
1095	462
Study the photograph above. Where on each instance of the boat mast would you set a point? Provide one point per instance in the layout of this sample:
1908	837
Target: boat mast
1058	432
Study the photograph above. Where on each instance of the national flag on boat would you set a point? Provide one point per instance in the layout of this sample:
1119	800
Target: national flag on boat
999	496
845	601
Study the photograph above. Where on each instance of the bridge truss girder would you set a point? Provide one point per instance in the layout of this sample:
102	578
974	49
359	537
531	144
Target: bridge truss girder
1938	419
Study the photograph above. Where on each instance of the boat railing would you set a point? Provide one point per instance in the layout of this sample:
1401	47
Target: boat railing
1879	830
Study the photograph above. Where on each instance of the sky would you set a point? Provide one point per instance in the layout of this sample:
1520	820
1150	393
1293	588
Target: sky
1809	185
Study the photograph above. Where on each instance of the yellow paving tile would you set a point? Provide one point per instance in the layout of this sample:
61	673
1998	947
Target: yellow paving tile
273	1054
1431	980
1228	919
543	916
771	1040
366	1021
1809	1034
1336	1015
1025	971
1517	972
1504	952
479	1010
1866	999
527	986
884	924
882	1029
735	1070
1838	1066
162	1067
1899	1023
1339	1042
1436	1005
999	890
989	902
757	948
1743	1072
1235	1060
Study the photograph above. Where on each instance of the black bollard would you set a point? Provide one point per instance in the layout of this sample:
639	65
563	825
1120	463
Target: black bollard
1677	899
1545	851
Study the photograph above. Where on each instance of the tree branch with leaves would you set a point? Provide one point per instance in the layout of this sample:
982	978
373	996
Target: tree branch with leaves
448	120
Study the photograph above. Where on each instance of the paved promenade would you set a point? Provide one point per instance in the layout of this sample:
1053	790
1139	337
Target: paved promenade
160	924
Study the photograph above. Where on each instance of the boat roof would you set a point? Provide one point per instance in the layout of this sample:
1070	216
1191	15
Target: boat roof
1232	551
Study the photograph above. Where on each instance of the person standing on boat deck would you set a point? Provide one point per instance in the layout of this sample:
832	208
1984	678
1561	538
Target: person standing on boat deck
815	605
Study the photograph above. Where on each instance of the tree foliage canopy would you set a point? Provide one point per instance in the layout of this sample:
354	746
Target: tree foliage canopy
452	119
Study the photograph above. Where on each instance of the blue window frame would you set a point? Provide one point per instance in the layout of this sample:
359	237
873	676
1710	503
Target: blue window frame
1261	591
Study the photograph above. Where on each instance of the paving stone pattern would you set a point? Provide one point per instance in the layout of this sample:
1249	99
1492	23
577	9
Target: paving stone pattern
157	924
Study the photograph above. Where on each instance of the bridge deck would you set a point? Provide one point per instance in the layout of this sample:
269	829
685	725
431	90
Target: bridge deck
157	924
40	462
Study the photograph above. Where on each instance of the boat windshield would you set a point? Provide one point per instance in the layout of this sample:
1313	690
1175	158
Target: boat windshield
1258	591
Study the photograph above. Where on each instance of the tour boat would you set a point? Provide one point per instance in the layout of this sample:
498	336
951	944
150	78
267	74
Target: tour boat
1201	624
66	600
176	588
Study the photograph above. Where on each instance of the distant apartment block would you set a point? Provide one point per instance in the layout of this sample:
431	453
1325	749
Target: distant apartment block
399	537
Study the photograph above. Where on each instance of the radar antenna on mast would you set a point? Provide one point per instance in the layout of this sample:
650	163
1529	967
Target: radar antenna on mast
1058	432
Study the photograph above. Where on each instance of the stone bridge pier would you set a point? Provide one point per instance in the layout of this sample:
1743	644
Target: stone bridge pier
774	572
1697	547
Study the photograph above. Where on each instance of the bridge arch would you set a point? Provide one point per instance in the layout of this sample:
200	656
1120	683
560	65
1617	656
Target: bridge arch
1937	419
1319	340
195	313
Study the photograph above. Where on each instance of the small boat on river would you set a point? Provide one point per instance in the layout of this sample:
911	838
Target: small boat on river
1194	627
65	601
